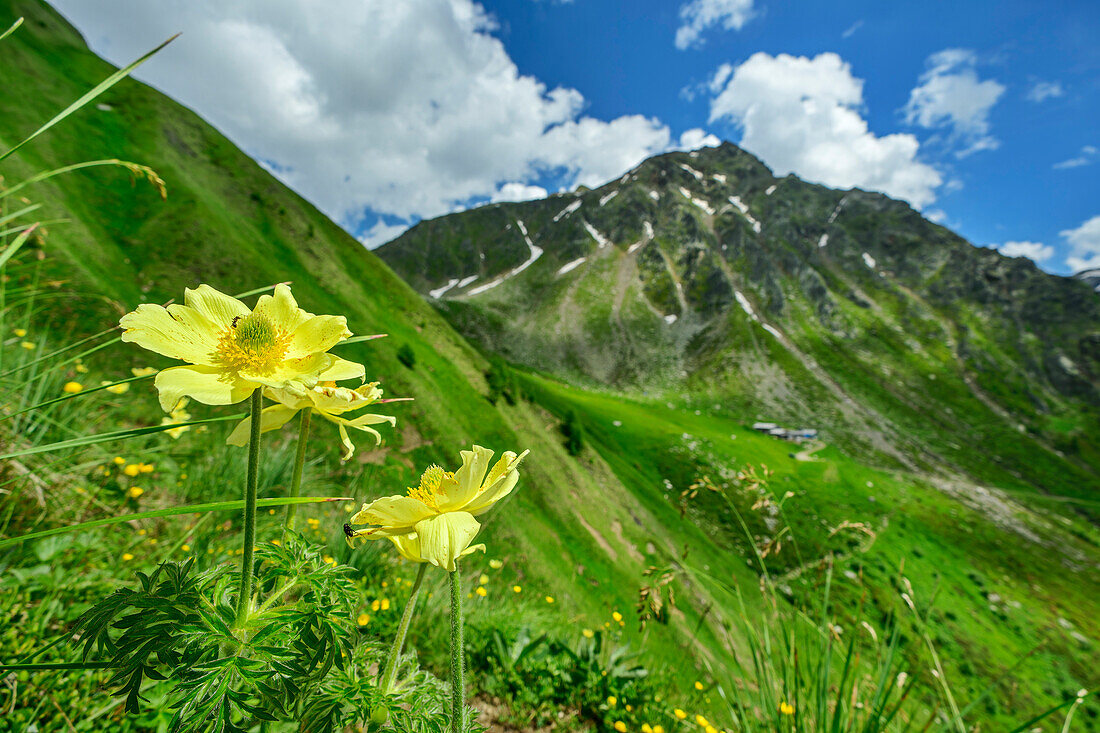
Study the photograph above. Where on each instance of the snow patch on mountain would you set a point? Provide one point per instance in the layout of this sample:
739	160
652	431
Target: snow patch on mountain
438	292
869	260
823	241
600	239
692	171
770	190
571	265
608	197
568	210
466	281
655	196
736	201
702	204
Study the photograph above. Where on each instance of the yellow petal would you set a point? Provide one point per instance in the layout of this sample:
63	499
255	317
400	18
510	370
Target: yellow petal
297	375
394	514
446	537
217	307
316	335
205	384
500	487
468	478
282	309
156	329
342	369
271	418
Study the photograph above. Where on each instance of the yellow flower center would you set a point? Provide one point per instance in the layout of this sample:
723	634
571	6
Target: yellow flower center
252	343
428	492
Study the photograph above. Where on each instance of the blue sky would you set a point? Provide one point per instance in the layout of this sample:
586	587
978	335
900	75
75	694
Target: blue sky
981	114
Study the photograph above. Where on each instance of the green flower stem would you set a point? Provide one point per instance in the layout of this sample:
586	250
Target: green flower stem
458	658
403	628
244	601
299	462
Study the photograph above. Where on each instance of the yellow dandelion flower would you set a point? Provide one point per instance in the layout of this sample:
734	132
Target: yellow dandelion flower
329	560
119	460
385	604
232	350
20	332
617	616
145	467
375	605
142	371
680	714
435	522
496	564
271	512
658	729
72	387
587	633
134	492
363	619
483	579
647	728
786	708
28	346
127	557
132	469
481	591
620	726
629	708
612	701
142	532
701	721
385	584
186	548
517	589
549	599
698	685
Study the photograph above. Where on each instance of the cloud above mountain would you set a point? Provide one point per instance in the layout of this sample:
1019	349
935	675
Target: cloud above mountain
802	115
698	16
1084	242
952	98
370	107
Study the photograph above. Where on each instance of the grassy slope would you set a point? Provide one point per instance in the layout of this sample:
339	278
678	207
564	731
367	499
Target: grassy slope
230	223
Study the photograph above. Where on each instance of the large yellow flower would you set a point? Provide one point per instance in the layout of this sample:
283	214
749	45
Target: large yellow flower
435	521
326	400
232	350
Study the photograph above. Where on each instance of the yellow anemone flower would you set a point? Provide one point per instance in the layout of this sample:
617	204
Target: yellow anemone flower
233	350
435	522
326	400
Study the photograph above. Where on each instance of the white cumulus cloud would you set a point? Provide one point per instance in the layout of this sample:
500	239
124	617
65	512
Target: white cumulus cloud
802	115
1040	91
1087	156
696	138
381	233
699	15
1084	242
950	96
516	191
408	109
1036	251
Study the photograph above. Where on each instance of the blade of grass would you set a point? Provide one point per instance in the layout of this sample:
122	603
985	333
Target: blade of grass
114	435
55	353
12	248
81	393
88	96
214	506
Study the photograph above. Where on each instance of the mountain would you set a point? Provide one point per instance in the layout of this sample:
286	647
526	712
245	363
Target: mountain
935	470
1091	277
847	310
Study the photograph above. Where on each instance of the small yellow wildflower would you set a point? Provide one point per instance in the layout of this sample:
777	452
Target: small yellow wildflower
363	619
612	701
385	604
142	532
483	579
115	388
119	461
146	467
549	599
786	708
647	728
329	560
698	685
134	492
132	469
375	605
143	371
127	557
629	708
314	523
80	368
20	332
703	722
680	714
617	616
186	548
72	387
28	346
271	512
620	726
588	633
481	591
517	589
496	564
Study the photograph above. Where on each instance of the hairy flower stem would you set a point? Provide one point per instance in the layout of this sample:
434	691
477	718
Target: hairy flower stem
244	601
299	462
458	658
403	628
